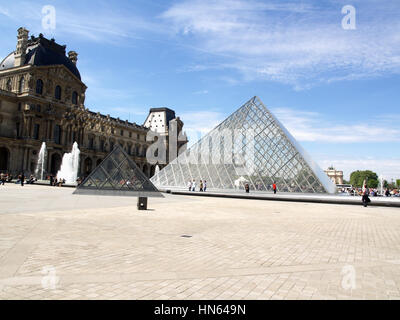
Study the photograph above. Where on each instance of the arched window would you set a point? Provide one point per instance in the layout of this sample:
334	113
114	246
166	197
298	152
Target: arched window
88	166
9	85
74	97
4	156
39	86
58	93
21	84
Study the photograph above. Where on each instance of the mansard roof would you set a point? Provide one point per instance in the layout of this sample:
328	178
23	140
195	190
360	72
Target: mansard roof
43	52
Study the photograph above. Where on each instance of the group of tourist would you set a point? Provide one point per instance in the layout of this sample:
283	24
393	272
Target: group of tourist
55	182
202	186
21	179
5	177
374	192
366	192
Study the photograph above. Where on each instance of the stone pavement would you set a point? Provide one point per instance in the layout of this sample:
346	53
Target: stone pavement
55	245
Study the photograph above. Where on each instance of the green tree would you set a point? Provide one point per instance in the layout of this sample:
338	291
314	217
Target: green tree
398	183
357	178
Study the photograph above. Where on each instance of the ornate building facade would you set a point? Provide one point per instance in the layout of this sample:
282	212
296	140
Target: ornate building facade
42	99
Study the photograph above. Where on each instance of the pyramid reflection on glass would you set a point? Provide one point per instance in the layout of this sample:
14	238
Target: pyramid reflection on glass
250	147
118	175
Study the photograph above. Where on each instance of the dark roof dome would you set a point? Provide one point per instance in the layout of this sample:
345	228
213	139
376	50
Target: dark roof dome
43	52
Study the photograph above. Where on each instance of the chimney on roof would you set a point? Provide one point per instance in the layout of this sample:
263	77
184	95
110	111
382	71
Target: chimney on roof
73	56
22	44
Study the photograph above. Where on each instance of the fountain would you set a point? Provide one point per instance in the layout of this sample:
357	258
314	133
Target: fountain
69	166
381	185
41	162
156	173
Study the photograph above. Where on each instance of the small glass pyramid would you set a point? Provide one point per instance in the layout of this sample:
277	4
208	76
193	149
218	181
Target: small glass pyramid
118	175
250	147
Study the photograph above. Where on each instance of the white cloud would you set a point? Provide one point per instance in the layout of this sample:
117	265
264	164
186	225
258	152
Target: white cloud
101	23
304	126
312	126
5	12
290	43
201	92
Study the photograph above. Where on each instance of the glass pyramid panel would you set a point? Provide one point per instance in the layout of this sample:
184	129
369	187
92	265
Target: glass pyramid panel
250	146
118	175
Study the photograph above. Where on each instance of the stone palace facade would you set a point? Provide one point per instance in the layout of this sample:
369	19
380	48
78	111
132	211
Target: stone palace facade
42	99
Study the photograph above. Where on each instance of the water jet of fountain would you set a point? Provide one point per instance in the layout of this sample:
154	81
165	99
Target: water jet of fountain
70	166
381	182
156	171
41	162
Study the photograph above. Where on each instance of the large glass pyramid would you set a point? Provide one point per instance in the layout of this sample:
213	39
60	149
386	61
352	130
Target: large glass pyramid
118	175
250	147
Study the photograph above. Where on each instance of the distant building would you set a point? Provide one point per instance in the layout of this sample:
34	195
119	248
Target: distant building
335	175
163	121
42	99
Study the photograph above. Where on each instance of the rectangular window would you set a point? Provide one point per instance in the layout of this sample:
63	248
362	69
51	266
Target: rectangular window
122	132
36	132
18	131
57	134
91	143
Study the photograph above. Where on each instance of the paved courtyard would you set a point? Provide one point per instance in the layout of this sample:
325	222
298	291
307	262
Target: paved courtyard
54	245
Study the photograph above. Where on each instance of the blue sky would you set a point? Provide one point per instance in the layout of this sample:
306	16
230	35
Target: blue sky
337	91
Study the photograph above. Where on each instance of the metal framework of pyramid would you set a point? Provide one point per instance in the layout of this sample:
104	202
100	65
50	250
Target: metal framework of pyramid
274	157
118	175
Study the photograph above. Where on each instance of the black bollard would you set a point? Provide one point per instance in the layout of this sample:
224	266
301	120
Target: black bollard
142	203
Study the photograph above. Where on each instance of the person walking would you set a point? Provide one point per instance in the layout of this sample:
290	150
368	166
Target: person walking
247	188
205	185
190	185
274	187
365	196
201	185
2	178
22	179
194	185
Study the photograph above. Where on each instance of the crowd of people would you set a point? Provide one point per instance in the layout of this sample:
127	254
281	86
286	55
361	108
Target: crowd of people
373	192
202	185
5	177
54	181
20	179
